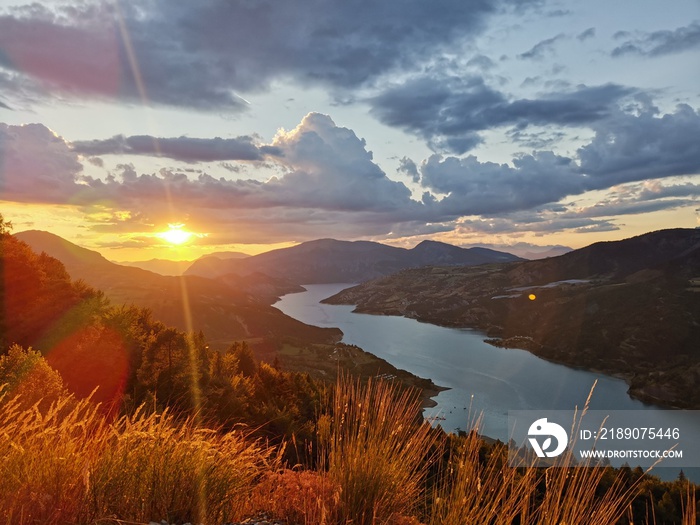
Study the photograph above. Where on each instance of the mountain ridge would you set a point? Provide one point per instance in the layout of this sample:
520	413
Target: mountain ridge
332	260
226	310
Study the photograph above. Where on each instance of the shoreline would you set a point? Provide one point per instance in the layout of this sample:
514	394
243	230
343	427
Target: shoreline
634	392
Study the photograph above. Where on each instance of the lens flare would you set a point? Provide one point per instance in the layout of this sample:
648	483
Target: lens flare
176	234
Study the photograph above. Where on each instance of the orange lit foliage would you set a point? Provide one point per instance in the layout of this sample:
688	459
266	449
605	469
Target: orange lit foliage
90	357
41	307
25	375
38	299
298	496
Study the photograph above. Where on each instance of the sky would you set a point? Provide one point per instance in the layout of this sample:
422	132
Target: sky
159	129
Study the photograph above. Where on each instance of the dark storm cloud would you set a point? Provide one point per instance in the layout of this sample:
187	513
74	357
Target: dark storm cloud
486	188
629	147
199	54
539	50
181	148
659	43
450	112
626	148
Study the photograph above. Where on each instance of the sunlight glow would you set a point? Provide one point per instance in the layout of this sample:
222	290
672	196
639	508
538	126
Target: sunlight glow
176	235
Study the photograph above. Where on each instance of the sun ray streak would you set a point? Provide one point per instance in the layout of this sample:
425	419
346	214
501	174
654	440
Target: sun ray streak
195	387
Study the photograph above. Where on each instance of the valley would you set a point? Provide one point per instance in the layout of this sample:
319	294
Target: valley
628	308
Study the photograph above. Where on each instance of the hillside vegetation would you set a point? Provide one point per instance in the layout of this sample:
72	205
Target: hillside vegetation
227	309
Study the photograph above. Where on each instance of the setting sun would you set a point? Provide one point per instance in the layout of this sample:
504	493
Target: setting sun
176	235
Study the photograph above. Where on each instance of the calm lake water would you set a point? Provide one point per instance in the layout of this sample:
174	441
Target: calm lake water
483	379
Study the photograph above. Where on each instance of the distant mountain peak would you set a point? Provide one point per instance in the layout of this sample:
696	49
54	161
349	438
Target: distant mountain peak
332	260
431	243
58	247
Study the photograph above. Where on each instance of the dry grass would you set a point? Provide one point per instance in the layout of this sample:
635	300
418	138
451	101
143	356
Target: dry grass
472	491
492	493
377	451
690	513
69	465
44	458
174	471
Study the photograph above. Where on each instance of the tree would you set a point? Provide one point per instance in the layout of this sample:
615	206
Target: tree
162	362
27	375
246	362
5	226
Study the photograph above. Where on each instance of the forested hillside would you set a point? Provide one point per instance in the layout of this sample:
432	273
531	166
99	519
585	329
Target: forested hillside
131	358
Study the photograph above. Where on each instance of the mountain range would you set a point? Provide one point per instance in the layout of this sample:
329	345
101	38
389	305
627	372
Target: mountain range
228	295
226	310
160	266
333	261
170	267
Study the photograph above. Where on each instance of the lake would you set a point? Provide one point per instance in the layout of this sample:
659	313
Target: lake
482	379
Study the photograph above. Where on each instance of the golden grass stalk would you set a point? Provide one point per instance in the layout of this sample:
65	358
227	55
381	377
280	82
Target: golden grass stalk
489	491
690	514
377	451
474	491
44	457
155	467
571	493
69	465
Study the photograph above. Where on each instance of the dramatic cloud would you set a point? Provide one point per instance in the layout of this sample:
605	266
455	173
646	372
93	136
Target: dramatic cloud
485	188
631	147
182	148
450	112
409	167
659	43
329	184
23	91
626	148
200	54
654	190
532	224
635	199
36	165
330	164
